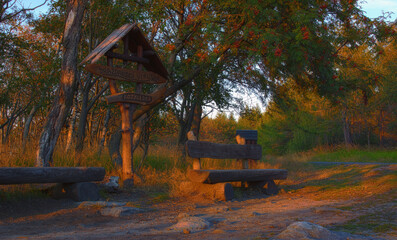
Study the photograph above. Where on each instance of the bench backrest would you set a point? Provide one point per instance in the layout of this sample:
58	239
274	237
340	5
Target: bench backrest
200	149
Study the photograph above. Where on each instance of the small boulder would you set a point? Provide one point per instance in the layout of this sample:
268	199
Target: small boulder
112	186
120	211
190	224
100	204
306	231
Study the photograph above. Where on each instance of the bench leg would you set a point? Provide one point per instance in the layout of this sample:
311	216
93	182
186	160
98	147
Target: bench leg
218	191
84	191
269	186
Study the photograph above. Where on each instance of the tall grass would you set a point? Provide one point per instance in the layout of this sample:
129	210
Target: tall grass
165	166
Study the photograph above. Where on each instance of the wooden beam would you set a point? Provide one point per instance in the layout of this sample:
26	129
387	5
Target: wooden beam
249	175
20	175
127	58
199	149
123	74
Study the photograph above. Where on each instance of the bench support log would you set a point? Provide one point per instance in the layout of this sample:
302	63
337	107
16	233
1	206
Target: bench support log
269	186
83	191
249	175
219	191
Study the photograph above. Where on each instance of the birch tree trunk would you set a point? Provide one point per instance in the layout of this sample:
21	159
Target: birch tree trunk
67	86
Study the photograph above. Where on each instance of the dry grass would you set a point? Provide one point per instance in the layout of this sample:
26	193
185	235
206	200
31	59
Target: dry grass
165	166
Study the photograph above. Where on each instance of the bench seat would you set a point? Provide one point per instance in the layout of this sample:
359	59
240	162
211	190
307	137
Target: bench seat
236	175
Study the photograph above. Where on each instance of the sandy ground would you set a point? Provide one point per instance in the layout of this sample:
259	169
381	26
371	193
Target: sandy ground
251	216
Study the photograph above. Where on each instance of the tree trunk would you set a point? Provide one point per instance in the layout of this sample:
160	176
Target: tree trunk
71	127
25	136
104	131
67	86
346	129
197	120
82	122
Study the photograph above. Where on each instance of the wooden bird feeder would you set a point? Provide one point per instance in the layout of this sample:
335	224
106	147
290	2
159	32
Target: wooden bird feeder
136	49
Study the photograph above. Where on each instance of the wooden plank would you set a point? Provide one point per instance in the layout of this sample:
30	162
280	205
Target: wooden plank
248	175
123	74
127	57
108	43
20	175
200	149
137	98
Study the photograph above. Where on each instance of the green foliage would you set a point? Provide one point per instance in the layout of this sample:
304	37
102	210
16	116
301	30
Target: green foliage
357	155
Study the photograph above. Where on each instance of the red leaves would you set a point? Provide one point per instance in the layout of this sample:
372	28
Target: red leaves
305	33
278	52
324	6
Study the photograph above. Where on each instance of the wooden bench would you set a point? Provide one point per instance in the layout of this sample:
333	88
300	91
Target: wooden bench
215	183
73	182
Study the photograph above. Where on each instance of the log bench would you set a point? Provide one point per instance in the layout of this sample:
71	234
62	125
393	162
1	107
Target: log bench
215	183
72	182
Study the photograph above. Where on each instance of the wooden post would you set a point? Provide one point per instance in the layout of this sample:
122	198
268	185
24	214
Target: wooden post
126	154
196	161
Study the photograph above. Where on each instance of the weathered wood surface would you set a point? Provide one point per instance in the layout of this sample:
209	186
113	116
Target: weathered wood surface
123	74
137	98
219	191
20	175
199	149
249	175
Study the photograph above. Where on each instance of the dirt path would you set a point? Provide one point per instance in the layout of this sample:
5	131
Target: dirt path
248	218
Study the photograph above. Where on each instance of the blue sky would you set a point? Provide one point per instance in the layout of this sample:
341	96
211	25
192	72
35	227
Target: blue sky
373	8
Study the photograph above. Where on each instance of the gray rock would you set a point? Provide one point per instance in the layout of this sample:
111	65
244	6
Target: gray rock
190	224
88	204
120	211
306	231
112	185
311	231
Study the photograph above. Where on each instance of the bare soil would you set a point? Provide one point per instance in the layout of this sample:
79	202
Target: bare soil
252	215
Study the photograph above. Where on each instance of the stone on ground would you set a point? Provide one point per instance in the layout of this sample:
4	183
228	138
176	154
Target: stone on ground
311	231
120	211
190	224
306	231
88	204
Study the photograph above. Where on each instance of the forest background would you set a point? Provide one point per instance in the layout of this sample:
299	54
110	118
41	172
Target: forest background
325	72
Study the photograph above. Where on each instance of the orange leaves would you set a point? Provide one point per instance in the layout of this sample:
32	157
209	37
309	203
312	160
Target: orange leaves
202	55
170	47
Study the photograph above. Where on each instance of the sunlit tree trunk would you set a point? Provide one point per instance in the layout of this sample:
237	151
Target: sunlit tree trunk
67	86
72	124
